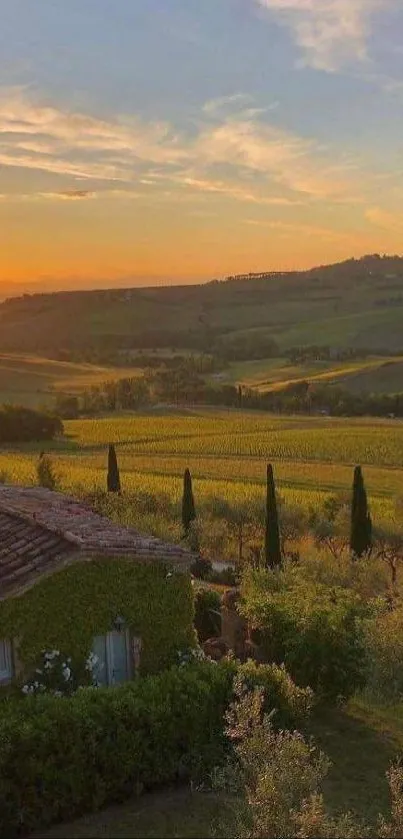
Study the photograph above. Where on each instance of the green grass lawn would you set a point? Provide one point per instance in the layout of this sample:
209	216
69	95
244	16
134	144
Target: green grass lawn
172	813
360	740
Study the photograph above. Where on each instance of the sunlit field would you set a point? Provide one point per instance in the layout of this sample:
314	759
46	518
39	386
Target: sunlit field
227	454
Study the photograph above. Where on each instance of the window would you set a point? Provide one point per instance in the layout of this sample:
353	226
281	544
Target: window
113	653
6	661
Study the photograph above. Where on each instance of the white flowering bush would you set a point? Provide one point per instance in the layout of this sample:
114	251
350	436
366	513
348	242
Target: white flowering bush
191	655
57	675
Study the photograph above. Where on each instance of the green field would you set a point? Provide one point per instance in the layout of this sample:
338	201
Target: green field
33	380
372	375
227	453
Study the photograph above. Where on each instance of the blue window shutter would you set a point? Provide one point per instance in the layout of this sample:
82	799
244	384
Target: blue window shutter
6	664
117	654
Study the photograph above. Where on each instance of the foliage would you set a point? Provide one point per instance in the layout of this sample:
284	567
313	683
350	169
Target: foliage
274	778
66	610
272	533
113	477
388	547
46	473
394	828
313	629
273	773
19	424
330	525
369	579
67	407
188	504
384	643
288	703
57	674
63	757
361	524
207	614
97	746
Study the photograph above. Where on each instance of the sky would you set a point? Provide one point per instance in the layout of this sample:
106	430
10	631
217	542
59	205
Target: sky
157	141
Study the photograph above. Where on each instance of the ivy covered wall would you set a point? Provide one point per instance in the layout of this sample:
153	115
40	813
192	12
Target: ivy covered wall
66	610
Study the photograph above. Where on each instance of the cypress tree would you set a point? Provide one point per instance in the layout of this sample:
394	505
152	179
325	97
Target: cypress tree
272	534
113	479
188	503
361	524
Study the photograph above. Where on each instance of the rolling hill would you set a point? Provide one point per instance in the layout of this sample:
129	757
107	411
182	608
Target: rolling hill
354	304
33	380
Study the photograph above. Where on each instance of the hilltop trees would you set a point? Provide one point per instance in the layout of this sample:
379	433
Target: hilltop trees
113	478
361	524
272	533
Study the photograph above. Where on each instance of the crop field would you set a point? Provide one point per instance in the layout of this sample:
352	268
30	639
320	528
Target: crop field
34	380
227	454
374	374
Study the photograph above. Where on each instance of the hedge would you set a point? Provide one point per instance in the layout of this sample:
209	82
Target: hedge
63	757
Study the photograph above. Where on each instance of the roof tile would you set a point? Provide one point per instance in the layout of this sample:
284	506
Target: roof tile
40	530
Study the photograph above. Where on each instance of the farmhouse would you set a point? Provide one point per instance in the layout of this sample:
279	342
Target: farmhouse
75	581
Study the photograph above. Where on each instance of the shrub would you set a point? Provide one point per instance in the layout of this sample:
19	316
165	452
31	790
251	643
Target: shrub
313	629
45	472
384	642
58	674
290	703
274	778
61	757
207	621
19	424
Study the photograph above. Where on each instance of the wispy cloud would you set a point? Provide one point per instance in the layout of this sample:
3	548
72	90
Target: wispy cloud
331	33
214	106
384	219
238	155
287	229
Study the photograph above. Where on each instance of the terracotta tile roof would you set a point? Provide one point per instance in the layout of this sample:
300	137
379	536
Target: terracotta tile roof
41	531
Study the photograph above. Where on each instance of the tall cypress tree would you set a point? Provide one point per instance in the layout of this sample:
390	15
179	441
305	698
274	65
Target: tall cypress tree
361	523
272	534
188	502
113	479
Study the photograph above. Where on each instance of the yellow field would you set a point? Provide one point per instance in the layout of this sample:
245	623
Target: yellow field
227	455
32	380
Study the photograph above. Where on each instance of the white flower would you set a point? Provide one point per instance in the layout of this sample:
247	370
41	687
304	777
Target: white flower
66	673
26	689
57	693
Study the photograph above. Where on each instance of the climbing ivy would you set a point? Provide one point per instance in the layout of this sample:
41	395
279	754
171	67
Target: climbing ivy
67	609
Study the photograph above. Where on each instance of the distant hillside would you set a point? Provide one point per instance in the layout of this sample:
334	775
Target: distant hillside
34	381
357	304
